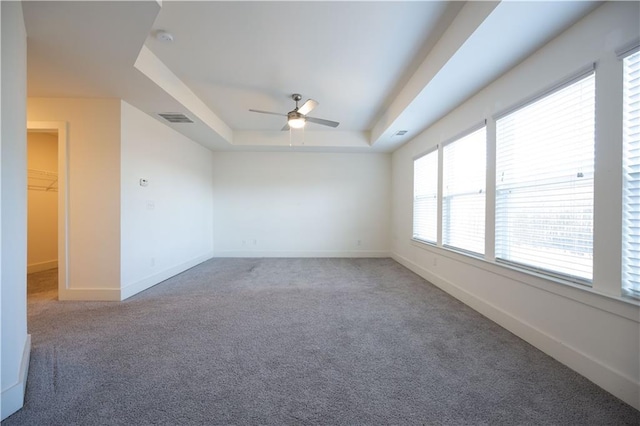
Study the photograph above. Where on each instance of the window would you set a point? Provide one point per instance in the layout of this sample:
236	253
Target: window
425	197
631	177
463	199
544	182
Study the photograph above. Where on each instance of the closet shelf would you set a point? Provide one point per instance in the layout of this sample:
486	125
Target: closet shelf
42	180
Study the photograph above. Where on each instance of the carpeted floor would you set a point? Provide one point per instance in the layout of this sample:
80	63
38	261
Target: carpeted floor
297	342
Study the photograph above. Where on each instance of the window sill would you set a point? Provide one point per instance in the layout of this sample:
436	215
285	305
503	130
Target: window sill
625	307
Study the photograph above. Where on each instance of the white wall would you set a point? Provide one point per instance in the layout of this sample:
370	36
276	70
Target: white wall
42	206
124	238
15	343
301	204
166	227
94	192
594	332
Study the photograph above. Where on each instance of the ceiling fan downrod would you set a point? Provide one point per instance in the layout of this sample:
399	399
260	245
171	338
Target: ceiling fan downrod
297	97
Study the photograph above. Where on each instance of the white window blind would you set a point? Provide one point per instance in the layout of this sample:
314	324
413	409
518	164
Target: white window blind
631	178
463	198
544	182
425	197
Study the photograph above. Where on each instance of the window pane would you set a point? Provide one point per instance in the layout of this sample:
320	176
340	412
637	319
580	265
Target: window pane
544	182
425	197
463	200
631	178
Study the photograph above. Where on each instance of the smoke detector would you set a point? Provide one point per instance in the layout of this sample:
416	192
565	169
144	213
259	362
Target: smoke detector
164	36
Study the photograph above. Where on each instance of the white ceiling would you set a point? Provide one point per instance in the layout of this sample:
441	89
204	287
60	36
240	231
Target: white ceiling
376	67
349	56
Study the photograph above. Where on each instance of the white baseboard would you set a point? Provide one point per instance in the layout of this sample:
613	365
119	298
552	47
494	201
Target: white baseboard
136	287
42	266
89	294
312	253
13	397
117	295
613	381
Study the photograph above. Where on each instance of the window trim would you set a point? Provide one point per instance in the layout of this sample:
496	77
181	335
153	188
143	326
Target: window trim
423	153
621	306
565	278
465	133
628	49
559	85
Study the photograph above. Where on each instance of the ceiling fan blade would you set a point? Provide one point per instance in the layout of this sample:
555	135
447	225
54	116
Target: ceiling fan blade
322	121
286	127
267	112
307	107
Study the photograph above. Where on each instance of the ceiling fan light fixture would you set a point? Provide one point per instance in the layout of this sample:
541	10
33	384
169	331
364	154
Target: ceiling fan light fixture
296	123
296	120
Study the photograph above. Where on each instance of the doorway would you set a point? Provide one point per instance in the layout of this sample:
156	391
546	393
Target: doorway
47	216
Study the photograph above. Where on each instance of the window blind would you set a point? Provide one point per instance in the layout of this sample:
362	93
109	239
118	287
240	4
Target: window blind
544	182
463	198
425	197
631	177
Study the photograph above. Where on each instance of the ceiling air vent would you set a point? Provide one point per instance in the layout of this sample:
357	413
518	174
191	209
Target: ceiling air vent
175	117
400	133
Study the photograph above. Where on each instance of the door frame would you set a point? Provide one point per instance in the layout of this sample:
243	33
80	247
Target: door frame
63	198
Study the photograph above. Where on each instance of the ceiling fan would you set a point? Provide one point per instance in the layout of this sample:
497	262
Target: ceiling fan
297	118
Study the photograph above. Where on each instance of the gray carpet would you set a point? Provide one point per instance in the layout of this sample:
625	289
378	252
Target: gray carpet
296	342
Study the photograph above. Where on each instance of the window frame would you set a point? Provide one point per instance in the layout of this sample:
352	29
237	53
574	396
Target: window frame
564	83
448	142
626	265
606	272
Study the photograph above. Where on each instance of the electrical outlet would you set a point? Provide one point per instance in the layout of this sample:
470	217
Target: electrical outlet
153	261
359	243
435	261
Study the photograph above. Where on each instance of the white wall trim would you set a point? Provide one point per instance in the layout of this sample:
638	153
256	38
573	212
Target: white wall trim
89	294
311	253
42	266
611	380
1	282
621	306
136	287
13	397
